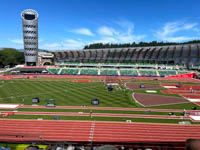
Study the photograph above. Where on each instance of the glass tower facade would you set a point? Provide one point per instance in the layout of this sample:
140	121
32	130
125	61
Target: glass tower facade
30	36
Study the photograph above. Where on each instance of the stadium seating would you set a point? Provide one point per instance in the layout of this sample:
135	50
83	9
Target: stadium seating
90	63
128	64
70	71
145	72
53	70
112	72
183	72
147	65
128	72
182	67
165	66
89	71
166	72
108	64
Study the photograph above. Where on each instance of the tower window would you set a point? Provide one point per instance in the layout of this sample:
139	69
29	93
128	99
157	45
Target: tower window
29	17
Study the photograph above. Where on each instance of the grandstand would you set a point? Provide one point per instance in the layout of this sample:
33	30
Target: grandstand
157	61
186	54
117	72
133	61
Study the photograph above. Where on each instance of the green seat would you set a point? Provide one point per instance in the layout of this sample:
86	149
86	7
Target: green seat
147	72
53	70
183	72
111	72
89	71
69	71
128	72
167	72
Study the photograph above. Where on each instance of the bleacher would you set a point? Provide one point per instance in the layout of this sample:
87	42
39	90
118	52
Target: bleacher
134	70
165	66
70	71
166	72
146	65
128	72
149	72
108	64
111	72
89	71
89	64
183	72
53	70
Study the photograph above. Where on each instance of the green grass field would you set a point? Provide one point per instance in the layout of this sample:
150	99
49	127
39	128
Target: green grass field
67	93
64	92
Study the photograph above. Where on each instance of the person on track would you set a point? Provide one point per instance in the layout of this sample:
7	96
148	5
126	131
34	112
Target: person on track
91	114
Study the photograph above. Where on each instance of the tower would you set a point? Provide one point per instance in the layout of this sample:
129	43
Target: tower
30	36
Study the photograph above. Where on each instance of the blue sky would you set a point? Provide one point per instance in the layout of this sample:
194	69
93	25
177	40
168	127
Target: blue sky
72	24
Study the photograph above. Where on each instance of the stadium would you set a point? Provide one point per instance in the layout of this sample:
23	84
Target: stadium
131	98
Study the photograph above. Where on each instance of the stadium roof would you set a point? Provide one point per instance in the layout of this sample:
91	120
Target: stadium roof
176	54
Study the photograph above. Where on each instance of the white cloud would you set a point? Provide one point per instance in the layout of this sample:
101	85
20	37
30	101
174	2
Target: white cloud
126	25
64	45
123	33
16	41
167	33
73	44
105	40
107	31
51	45
83	31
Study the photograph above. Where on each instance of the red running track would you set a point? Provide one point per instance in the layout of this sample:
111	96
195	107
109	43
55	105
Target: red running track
99	77
109	108
39	130
191	96
99	115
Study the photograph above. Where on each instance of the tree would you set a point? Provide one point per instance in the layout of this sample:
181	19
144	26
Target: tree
11	57
140	44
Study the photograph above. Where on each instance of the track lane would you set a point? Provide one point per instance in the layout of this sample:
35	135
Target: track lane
99	115
103	131
111	108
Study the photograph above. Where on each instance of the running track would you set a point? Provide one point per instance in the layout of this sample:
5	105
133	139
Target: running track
98	115
84	131
9	77
110	108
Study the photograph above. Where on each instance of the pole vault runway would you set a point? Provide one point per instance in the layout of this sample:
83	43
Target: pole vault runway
85	131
